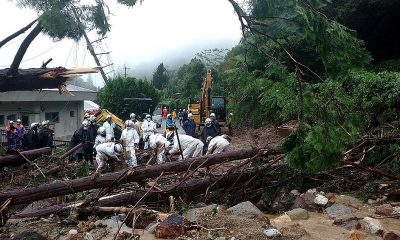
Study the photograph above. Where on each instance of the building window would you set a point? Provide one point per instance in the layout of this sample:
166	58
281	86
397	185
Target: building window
53	117
12	117
2	123
72	113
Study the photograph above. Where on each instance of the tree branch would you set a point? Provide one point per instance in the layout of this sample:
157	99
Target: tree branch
16	34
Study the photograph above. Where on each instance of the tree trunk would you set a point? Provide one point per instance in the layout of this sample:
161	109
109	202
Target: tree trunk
16	34
29	195
22	49
17	159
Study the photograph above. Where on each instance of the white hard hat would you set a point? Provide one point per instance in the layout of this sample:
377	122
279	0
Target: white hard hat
130	123
126	122
102	130
231	114
190	115
19	121
209	138
208	120
118	148
132	115
11	122
108	116
45	122
34	124
85	123
87	114
148	116
212	115
168	115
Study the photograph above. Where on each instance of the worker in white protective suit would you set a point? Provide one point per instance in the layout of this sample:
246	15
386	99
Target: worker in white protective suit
159	143
130	139
105	151
218	144
149	128
109	125
101	137
191	147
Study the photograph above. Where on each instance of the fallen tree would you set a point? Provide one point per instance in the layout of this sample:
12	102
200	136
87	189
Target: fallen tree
29	195
18	159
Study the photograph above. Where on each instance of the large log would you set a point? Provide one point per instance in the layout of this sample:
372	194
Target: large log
191	188
17	159
29	195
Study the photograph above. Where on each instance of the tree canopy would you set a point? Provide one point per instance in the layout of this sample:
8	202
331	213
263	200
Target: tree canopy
160	77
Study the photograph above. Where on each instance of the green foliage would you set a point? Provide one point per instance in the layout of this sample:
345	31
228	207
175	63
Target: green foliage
83	171
112	96
160	77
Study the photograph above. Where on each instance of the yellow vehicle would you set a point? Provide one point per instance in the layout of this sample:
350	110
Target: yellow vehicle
208	104
101	116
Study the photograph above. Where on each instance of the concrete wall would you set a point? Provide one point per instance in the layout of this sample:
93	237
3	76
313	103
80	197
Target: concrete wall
36	113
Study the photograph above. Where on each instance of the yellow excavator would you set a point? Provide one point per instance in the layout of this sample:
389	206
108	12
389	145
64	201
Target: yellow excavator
101	116
208	104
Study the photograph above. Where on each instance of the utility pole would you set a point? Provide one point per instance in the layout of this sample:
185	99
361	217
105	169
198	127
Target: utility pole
90	46
125	68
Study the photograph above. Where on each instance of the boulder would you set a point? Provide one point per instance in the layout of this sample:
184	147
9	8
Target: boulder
391	235
305	201
172	227
337	210
29	235
321	200
372	225
281	221
245	209
384	210
331	197
192	215
298	214
272	233
348	223
151	228
73	232
396	210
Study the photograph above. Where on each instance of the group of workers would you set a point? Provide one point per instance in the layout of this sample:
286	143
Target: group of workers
37	136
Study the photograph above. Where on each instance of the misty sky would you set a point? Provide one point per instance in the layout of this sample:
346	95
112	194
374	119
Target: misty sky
169	31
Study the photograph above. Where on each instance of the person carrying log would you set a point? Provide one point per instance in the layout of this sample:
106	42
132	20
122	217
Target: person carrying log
191	147
104	152
130	139
159	143
218	144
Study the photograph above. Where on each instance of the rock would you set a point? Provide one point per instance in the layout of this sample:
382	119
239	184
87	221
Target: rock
283	201
396	210
220	238
172	227
245	209
358	235
314	190
192	215
331	197
299	202
348	223
298	214
348	201
320	200
272	233
294	192
391	235
29	235
151	228
378	200
337	210
200	205
112	225
281	221
372	226
261	204
384	210
88	236
73	232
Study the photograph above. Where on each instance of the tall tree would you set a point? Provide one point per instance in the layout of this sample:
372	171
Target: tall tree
160	77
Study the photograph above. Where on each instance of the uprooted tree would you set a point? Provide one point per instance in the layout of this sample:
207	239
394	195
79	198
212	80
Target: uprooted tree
65	19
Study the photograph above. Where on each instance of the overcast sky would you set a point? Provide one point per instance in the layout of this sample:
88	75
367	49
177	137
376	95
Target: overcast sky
169	31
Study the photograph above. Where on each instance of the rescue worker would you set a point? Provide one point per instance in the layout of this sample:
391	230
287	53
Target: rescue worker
149	128
190	126
209	130
159	143
138	126
100	138
31	140
185	116
93	129
174	115
20	131
45	135
132	117
229	123
11	135
191	147
215	123
218	144
164	113
104	151
109	125
169	123
129	139
83	135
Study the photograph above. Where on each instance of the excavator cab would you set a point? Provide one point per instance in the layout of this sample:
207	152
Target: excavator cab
218	106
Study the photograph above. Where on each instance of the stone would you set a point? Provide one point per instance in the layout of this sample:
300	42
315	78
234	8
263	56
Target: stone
372	225
295	192
281	221
331	197
151	228
172	227
73	232
305	201
88	236
314	190
272	233
337	210
200	205
348	223
384	210
391	235
348	201
396	210
320	200
358	235
245	209
193	215
220	238
261	204
298	214
29	235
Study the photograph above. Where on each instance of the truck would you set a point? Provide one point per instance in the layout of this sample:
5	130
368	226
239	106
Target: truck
208	104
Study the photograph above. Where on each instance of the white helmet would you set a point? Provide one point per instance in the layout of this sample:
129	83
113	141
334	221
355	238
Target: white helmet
148	116
85	123
118	148
108	116
11	122
45	122
212	115
190	115
87	115
130	123
132	115
34	124
169	115
209	139
126	122
102	130
19	121
231	114
208	122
